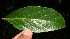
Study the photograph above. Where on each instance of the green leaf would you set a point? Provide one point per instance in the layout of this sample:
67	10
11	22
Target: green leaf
36	18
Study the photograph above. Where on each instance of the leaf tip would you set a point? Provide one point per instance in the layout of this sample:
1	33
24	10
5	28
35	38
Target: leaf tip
3	18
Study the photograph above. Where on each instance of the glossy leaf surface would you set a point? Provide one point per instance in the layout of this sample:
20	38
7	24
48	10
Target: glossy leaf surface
36	18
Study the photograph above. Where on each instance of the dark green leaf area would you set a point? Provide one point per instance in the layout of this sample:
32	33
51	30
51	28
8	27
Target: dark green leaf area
36	18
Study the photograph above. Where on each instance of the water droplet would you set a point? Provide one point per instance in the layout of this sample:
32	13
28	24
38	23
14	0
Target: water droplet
48	22
43	10
45	7
39	6
45	15
29	6
24	7
44	27
55	18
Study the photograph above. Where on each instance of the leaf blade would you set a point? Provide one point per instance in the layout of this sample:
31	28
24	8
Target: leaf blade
38	19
